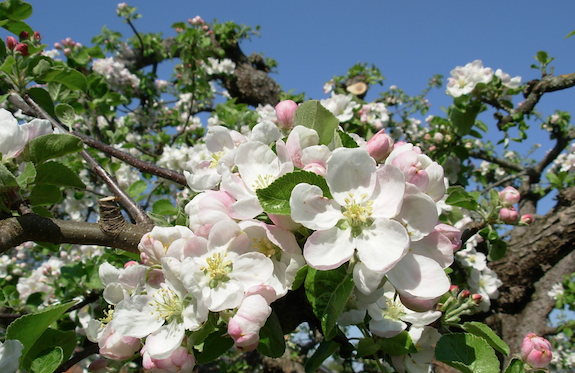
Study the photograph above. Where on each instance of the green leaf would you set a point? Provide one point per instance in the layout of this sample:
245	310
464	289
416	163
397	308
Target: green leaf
7	65
164	207
272	342
214	346
15	10
65	340
466	352
299	277
485	332
71	78
325	350
275	198
159	220
48	361
312	114
66	114
136	188
463	119
366	347
497	250
16	27
399	345
328	292
7	180
55	173
42	98
45	195
515	366
29	328
458	196
51	146
346	140
27	176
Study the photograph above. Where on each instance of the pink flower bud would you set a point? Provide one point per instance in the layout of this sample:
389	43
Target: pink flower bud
509	196
380	146
205	27
37	36
130	263
476	298
527	219
454	289
285	112
57	45
508	215
536	351
99	366
11	42
24	35
67	51
22	49
179	361
464	294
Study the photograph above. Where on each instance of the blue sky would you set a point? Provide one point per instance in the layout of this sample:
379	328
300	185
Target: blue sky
314	40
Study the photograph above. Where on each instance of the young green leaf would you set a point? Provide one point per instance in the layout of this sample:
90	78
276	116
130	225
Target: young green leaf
48	360
27	176
312	114
42	98
64	340
461	198
325	350
485	332
164	207
66	114
399	345
51	146
7	180
42	195
272	342
515	366
55	173
366	347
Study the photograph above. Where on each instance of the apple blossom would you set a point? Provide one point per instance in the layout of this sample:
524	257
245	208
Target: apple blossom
14	137
509	215
298	140
10	352
11	42
380	146
180	361
536	351
464	79
163	241
526	219
341	106
509	196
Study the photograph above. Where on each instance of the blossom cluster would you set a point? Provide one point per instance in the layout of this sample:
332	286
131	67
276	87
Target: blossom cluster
377	215
464	79
117	75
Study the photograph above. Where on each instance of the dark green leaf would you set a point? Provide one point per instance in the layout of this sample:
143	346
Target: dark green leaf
463	119
366	347
42	195
272	342
312	114
136	188
497	250
300	277
485	332
325	350
328	292
42	98
214	346
7	65
275	198
346	140
7	180
69	77
66	114
466	352
15	10
51	146
65	340
55	173
399	345
29	328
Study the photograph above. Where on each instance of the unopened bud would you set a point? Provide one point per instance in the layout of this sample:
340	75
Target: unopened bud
526	219
37	36
508	215
285	112
22	49
24	35
476	298
454	289
509	196
536	351
11	42
464	294
67	51
380	146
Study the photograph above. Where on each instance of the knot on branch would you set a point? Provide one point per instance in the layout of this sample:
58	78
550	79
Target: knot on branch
111	221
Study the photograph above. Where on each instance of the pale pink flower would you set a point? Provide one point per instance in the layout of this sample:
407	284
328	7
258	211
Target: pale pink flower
536	351
285	112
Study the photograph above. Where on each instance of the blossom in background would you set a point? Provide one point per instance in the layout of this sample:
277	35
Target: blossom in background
342	106
556	290
215	66
14	137
464	78
10	352
117	75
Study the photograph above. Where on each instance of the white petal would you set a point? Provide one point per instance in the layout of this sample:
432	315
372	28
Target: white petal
350	171
163	342
366	280
389	191
436	187
382	245
328	249
387	328
310	208
418	212
435	246
419	276
252	269
137	317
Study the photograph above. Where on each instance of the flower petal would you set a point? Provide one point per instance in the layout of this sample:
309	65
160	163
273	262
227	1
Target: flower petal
328	249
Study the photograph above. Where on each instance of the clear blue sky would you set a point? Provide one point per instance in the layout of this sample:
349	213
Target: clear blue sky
315	39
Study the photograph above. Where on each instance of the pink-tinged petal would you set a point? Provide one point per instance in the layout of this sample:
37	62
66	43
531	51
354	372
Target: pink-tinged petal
219	139
203	178
387	328
350	171
419	276
310	208
418	212
328	249
282	238
252	269
436	187
163	342
389	191
257	164
223	234
435	246
382	245
285	162
366	280
195	246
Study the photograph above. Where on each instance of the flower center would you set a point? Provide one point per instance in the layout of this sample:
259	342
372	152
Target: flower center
265	246
357	214
217	268
216	158
394	309
168	306
263	181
